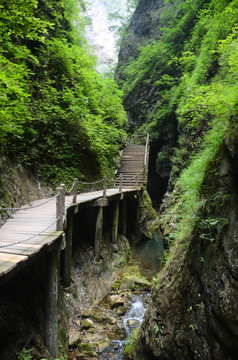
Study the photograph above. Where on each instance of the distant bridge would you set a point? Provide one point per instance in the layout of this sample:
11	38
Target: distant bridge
45	228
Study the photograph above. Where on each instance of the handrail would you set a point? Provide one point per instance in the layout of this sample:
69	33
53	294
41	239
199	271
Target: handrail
130	139
29	207
61	192
30	238
146	149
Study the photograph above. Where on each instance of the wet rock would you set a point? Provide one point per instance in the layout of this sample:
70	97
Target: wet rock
116	301
115	248
74	340
134	283
118	334
103	344
132	323
120	325
115	345
121	310
116	284
87	313
98	318
111	320
87	349
75	354
87	324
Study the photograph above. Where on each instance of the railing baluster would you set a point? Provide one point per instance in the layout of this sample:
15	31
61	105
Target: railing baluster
59	208
75	187
120	183
136	180
105	187
63	198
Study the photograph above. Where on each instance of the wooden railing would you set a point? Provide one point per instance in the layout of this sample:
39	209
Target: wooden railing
102	184
137	139
146	156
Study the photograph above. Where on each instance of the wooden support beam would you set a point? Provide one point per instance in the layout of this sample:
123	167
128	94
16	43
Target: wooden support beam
51	302
68	250
124	216
138	204
101	202
98	234
115	221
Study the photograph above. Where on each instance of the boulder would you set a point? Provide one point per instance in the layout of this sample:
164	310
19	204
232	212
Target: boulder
74	340
103	344
87	324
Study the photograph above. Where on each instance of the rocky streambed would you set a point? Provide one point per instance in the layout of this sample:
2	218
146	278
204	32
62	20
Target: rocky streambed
100	332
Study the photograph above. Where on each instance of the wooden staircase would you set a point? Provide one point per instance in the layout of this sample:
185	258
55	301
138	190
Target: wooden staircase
134	165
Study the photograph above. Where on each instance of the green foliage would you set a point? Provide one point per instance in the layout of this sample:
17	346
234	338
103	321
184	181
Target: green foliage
187	74
159	329
54	107
131	342
24	354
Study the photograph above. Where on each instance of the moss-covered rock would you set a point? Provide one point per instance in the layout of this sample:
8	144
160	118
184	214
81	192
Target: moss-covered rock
87	324
103	344
87	313
87	349
131	342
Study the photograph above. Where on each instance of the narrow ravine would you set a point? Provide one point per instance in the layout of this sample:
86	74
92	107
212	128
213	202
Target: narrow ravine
104	328
107	300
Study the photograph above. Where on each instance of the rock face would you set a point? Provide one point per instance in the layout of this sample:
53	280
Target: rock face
144	98
17	187
91	280
193	310
142	28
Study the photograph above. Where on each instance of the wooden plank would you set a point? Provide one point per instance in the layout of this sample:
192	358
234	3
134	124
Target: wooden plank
22	233
27	223
21	251
35	241
11	258
5	267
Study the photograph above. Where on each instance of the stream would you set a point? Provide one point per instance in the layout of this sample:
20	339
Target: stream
132	319
101	331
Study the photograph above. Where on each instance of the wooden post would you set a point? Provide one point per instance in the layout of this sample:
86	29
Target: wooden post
120	183
105	187
136	180
59	208
51	303
124	216
115	221
75	187
63	198
98	234
68	249
139	197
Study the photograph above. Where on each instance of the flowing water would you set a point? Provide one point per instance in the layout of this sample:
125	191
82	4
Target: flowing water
132	319
148	254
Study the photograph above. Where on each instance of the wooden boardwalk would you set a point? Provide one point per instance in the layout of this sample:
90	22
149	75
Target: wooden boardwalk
28	231
35	227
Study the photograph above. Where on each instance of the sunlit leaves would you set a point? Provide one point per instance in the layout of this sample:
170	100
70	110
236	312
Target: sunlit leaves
54	107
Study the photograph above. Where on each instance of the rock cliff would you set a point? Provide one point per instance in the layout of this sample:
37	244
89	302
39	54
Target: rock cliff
176	67
147	74
193	311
